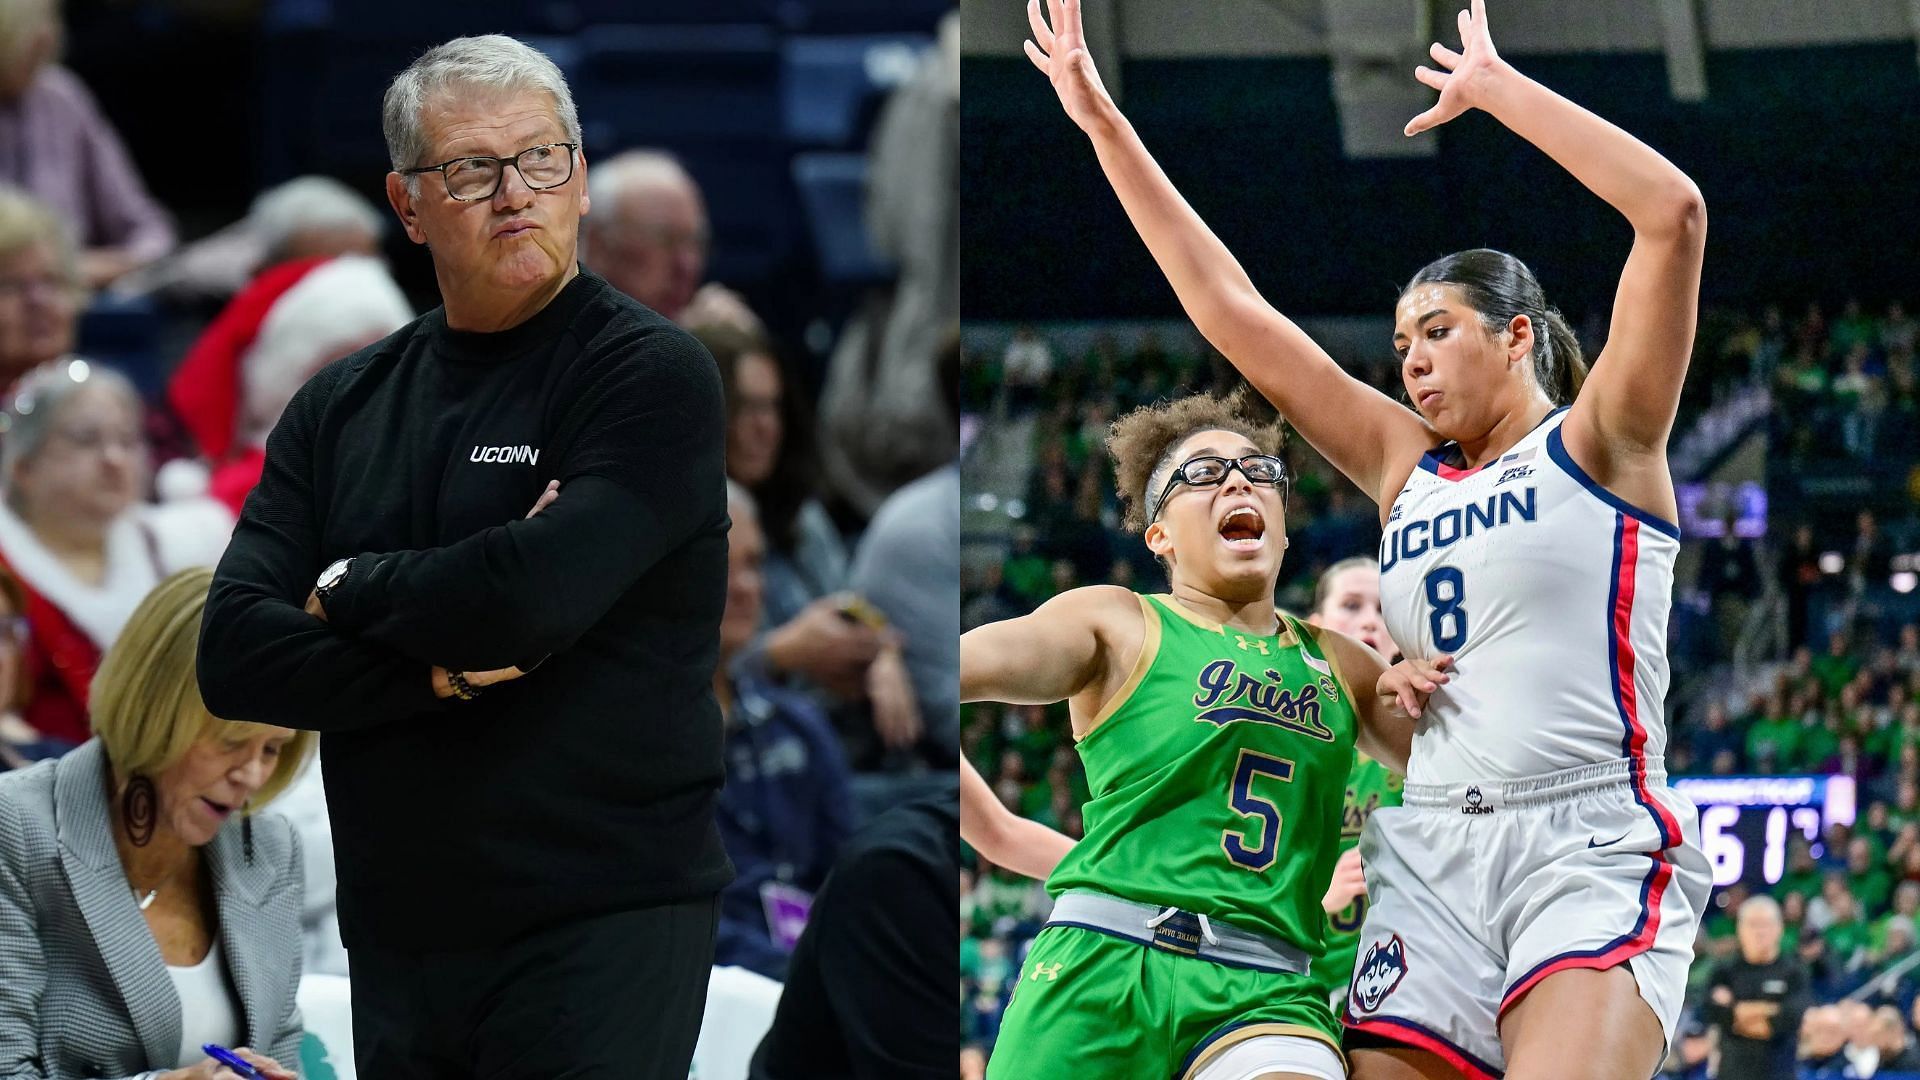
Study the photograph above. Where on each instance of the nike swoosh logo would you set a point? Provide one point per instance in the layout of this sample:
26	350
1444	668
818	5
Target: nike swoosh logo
1609	843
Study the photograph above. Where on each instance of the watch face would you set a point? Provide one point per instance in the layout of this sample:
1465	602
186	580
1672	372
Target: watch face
332	574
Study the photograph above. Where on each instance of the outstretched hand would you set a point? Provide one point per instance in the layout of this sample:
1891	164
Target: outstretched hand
1405	687
1465	73
1060	52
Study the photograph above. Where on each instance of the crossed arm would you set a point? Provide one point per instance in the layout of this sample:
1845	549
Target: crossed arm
507	596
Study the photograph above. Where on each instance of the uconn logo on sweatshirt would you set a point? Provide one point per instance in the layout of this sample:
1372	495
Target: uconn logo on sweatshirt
506	455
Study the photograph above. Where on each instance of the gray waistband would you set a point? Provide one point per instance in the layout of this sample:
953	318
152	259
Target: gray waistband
1488	796
1175	931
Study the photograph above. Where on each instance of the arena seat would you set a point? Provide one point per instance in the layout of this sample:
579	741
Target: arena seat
872	16
740	1006
570	15
124	333
676	84
326	1005
831	87
833	189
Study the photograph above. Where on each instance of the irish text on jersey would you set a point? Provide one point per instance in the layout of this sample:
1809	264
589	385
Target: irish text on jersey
1228	695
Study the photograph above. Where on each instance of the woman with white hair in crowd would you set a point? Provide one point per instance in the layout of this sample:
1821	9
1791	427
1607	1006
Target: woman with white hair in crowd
55	143
76	532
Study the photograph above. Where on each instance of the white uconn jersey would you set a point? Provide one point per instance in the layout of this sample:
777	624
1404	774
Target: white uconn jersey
1552	595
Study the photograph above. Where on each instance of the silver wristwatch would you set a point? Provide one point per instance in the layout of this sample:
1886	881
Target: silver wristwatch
330	578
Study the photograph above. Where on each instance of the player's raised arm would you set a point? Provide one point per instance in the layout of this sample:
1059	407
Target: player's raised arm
1623	415
1055	653
1358	428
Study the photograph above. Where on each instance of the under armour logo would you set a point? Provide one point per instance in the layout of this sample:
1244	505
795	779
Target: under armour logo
1249	643
1051	971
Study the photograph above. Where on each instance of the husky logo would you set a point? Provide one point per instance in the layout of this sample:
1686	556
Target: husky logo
1474	800
1380	973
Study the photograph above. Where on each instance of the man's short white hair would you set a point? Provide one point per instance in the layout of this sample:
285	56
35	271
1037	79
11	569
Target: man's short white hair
1761	905
489	62
311	202
631	171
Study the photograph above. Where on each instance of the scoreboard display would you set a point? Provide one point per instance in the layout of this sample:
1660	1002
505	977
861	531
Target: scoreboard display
1746	821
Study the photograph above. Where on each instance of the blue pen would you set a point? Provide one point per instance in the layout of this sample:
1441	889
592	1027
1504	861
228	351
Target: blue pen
232	1061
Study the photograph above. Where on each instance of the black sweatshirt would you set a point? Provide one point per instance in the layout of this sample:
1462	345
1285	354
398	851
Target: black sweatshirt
585	787
1782	982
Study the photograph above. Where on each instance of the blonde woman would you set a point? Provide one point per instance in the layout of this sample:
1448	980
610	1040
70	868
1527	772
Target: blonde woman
146	909
41	287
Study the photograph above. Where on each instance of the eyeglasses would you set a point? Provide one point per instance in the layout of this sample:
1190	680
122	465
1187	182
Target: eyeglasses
471	179
94	440
47	288
1262	469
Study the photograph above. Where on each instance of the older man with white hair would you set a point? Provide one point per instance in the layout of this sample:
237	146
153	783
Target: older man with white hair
1756	998
651	240
527	859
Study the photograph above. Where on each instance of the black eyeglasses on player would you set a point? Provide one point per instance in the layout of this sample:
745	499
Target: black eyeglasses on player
1264	470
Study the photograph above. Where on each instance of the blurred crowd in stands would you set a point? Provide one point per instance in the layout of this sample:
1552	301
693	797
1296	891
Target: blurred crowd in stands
842	651
1795	635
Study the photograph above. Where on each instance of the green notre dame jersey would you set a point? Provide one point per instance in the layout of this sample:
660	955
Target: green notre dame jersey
1369	787
1216	776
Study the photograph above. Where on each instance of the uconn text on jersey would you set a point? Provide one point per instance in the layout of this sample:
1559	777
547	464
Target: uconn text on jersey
1415	538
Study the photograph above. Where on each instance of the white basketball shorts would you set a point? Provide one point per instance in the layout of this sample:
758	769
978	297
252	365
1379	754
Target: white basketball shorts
1479	891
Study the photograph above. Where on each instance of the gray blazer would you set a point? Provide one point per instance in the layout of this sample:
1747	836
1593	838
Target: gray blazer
83	991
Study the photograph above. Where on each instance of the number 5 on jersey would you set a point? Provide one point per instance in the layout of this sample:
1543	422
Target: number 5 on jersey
1241	846
1446	590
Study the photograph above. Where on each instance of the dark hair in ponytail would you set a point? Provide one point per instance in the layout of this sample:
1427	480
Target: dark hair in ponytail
1499	286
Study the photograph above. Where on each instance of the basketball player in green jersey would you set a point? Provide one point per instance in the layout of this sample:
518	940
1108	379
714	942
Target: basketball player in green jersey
1347	599
1217	736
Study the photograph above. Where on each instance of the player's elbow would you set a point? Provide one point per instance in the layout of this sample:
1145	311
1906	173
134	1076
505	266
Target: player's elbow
1233	318
1681	214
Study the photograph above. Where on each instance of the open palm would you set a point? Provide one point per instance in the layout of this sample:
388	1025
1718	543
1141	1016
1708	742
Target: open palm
1060	52
1459	82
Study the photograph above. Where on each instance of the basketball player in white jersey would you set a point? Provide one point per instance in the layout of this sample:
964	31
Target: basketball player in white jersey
1534	903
